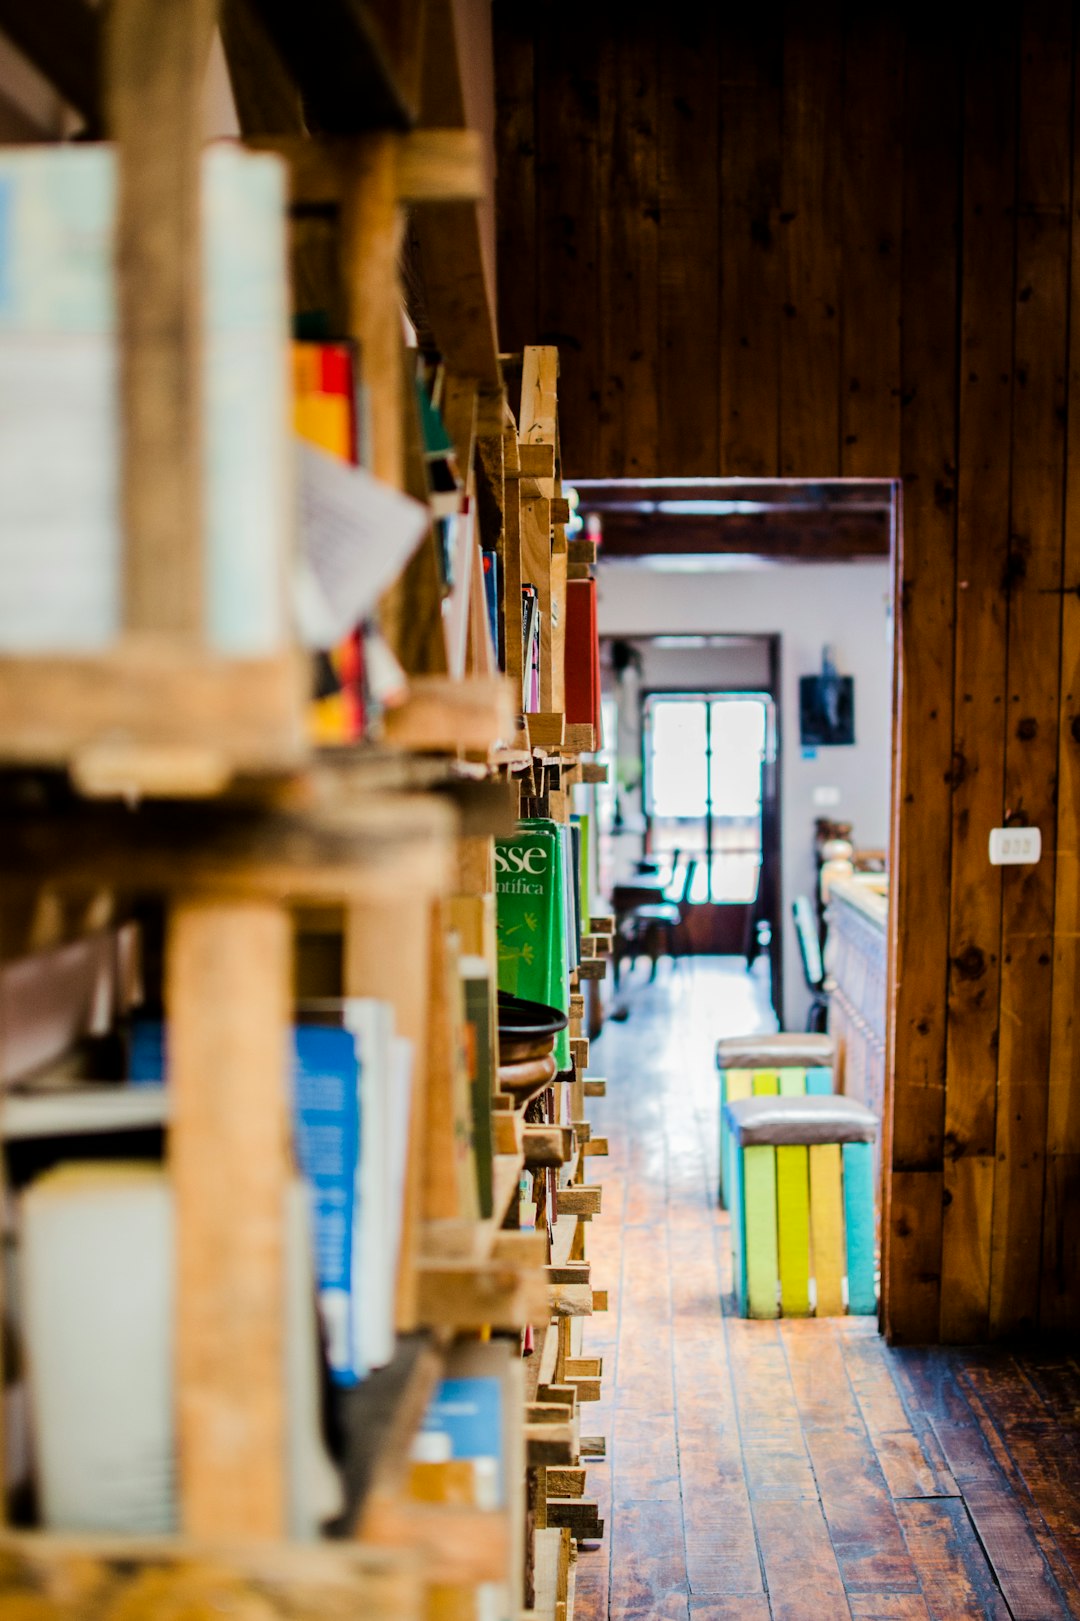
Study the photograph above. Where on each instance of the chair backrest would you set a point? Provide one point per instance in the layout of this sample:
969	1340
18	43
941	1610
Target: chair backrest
681	889
809	944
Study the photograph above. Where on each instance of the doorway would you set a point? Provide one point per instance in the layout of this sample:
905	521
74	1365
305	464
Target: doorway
710	787
806	569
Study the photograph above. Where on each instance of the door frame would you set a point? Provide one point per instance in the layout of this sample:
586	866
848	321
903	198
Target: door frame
771	803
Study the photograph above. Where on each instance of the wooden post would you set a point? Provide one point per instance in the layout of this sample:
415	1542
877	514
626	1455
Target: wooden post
387	955
371	228
536	570
228	976
155	69
511	557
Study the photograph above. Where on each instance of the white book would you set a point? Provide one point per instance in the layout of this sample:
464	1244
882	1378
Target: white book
385	1079
97	1312
372	1023
60	537
97	1307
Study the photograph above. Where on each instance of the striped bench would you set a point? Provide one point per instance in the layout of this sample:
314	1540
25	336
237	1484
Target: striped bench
784	1064
802	1202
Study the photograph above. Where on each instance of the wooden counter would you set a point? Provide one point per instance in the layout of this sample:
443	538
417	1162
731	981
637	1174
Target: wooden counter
855	973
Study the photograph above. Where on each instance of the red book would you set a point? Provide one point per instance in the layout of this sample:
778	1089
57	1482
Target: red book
582	655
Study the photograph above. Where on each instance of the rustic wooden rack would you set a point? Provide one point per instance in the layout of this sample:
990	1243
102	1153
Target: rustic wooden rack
274	847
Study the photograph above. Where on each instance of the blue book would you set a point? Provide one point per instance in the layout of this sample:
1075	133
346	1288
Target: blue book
491	597
464	1421
146	1053
326	1115
326	1100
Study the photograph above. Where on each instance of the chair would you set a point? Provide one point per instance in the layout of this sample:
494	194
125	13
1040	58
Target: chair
802	1205
650	927
812	963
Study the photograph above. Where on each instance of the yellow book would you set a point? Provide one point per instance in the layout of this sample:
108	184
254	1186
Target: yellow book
324	420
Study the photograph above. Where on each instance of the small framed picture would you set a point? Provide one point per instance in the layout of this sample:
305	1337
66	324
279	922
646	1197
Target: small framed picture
826	710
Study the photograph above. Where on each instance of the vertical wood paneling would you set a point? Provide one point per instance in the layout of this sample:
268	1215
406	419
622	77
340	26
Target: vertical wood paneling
1033	654
751	290
872	161
982	548
810	242
629	237
1060	1306
689	269
515	176
919	912
845	285
568	223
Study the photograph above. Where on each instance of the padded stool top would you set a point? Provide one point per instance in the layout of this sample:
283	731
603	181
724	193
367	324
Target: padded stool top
780	1122
781	1050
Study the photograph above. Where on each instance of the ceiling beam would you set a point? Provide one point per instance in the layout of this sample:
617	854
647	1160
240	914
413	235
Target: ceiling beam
354	62
644	495
62	38
794	536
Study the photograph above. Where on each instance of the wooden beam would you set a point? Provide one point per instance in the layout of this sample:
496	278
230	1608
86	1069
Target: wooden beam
227	992
433	165
69	1577
372	226
803	535
645	494
352	63
266	96
441	166
548	1144
155	67
455	291
62	38
459	292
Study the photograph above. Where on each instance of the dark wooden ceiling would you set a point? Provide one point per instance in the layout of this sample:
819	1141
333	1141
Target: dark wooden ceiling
781	520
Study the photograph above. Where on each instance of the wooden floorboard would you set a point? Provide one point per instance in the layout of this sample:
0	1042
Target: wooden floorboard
775	1471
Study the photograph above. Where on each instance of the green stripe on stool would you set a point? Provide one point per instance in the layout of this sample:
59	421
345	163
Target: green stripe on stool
734	1083
759	1230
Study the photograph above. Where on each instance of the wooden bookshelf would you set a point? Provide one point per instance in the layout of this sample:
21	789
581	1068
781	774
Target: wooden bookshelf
158	774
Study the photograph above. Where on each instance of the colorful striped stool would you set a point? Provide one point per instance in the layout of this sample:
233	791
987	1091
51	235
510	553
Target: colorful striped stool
784	1063
802	1202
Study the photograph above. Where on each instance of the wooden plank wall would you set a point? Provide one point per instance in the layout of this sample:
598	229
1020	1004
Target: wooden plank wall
842	240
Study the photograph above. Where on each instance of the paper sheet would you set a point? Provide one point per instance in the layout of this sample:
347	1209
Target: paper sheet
356	535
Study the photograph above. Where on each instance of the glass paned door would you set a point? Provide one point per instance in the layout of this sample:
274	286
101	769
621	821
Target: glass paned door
737	732
704	759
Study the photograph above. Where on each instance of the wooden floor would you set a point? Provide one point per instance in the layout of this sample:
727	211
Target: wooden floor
794	1470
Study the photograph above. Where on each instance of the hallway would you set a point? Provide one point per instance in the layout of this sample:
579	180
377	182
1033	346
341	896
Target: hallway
796	1470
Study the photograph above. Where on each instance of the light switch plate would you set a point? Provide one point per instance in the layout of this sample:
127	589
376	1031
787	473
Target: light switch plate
1014	846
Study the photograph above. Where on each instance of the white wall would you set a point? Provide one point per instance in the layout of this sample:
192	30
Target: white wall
807	605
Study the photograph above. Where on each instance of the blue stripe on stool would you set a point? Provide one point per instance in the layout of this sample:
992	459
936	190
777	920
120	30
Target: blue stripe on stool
819	1082
859	1222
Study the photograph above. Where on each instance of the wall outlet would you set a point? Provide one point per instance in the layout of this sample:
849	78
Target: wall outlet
826	796
1014	846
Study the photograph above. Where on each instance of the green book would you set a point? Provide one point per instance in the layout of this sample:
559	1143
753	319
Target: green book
586	894
530	902
564	949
